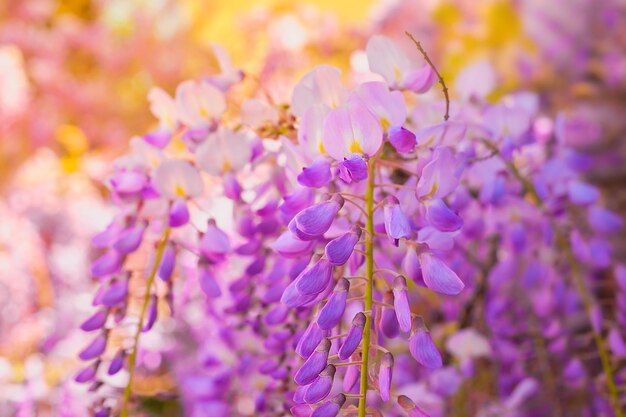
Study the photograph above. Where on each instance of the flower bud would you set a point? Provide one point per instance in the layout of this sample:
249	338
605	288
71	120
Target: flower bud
179	213
115	294
315	364
401	303
108	264
320	388
338	250
353	339
422	347
312	222
385	375
86	374
403	140
130	239
95	348
316	175
168	261
310	340
397	225
353	169
314	279
409	406
330	315
116	363
96	321
330	408
389	326
441	217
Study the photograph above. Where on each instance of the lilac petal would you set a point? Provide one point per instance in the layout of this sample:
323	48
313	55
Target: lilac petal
411	266
314	221
438	276
295	203
214	243
276	315
108	264
86	374
310	340
249	248
439	177
401	303
389	326
330	315
168	261
441	217
397	225
256	267
128	182
403	140
338	250
95	348
330	408
95	322
158	138
179	213
268	226
300	410
316	175
385	376
353	169
232	188
315	364
421	80
409	406
582	193
208	284
320	388
293	298
115	294
351	377
116	363
315	279
422	347
129	240
353	339
291	247
268	366
604	221
274	292
152	314
298	395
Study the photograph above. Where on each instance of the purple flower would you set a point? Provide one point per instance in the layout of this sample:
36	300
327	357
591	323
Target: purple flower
582	193
117	362
422	347
604	221
108	264
385	375
397	225
401	303
351	376
96	321
353	339
330	408
438	276
179	213
214	243
310	340
353	169
130	239
439	177
168	261
330	315
315	364
409	406
115	294
312	222
389	326
339	250
403	140
207	283
290	246
314	279
316	175
95	348
441	217
320	388
86	374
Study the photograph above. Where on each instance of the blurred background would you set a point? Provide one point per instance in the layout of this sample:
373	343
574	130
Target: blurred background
74	75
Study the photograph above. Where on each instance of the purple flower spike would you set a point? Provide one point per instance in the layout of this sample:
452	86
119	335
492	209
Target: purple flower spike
166	268
316	175
179	213
130	239
397	225
313	280
438	276
330	315
115	294
441	217
353	339
351	376
410	407
311	223
403	140
315	364
389	326
385	375
214	243
310	340
320	388
422	347
208	284
401	303
353	169
95	348
330	408
117	363
339	250
95	322
108	264
86	374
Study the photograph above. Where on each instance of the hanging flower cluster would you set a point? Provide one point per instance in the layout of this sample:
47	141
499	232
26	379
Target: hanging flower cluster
326	246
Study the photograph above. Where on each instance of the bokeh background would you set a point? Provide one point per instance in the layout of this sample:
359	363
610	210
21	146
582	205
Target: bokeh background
74	76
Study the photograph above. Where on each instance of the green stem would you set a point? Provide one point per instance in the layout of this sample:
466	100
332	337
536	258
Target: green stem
369	287
132	358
